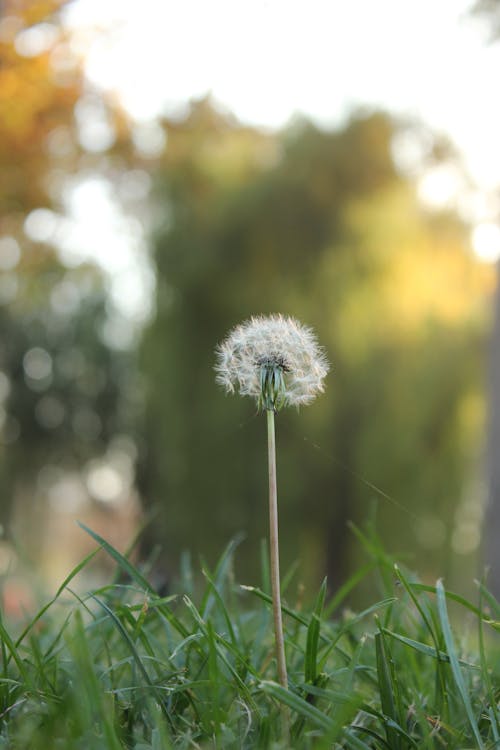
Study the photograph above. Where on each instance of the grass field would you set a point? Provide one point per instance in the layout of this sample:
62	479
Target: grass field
122	667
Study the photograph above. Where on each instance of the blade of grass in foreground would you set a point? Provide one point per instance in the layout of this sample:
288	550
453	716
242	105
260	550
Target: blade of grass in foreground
126	637
10	646
423	648
464	602
219	576
493	710
136	576
298	704
122	561
441	692
59	591
135	654
347	626
216	681
91	697
268	599
222	607
454	662
304	621
313	629
389	691
202	625
333	727
355	742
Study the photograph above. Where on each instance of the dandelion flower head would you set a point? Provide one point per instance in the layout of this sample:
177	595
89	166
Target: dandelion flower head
274	359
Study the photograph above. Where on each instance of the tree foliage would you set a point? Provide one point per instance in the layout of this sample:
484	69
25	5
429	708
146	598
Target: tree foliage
317	224
322	226
60	382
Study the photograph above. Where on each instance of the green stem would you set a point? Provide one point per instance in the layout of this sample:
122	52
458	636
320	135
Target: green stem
274	550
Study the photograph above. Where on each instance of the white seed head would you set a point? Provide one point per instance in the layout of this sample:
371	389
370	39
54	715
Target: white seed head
274	359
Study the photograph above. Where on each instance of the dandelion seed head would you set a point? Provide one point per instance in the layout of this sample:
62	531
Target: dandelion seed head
274	359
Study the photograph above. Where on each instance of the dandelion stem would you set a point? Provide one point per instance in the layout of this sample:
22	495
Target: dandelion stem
274	551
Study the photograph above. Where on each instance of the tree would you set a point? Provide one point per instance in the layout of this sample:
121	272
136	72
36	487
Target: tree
60	383
319	225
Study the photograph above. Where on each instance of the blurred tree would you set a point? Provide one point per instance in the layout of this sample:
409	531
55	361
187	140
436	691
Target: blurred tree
36	105
60	384
321	226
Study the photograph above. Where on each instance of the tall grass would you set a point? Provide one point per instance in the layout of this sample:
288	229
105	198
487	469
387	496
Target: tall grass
123	667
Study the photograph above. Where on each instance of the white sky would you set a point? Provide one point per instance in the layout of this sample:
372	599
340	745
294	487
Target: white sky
267	60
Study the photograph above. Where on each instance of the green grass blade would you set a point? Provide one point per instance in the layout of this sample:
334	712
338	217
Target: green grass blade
356	742
304	621
493	708
14	653
135	654
127	638
492	713
348	626
149	518
61	588
312	641
408	741
222	607
493	603
203	627
298	704
268	599
463	601
388	690
122	561
441	692
216	680
420	606
219	576
423	648
347	587
136	576
454	662
89	687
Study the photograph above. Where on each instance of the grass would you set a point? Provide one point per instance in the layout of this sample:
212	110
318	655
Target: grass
122	667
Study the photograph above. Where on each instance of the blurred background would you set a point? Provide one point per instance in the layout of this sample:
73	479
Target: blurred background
168	170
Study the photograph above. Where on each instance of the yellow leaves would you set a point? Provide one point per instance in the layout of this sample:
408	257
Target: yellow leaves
32	105
30	101
31	11
409	270
434	280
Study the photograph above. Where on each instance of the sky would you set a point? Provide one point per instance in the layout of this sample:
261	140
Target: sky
267	61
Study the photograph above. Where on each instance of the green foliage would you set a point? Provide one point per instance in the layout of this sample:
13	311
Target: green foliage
321	226
86	392
72	414
122	667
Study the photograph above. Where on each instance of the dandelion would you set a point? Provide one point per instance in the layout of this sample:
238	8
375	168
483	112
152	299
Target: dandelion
274	359
277	361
